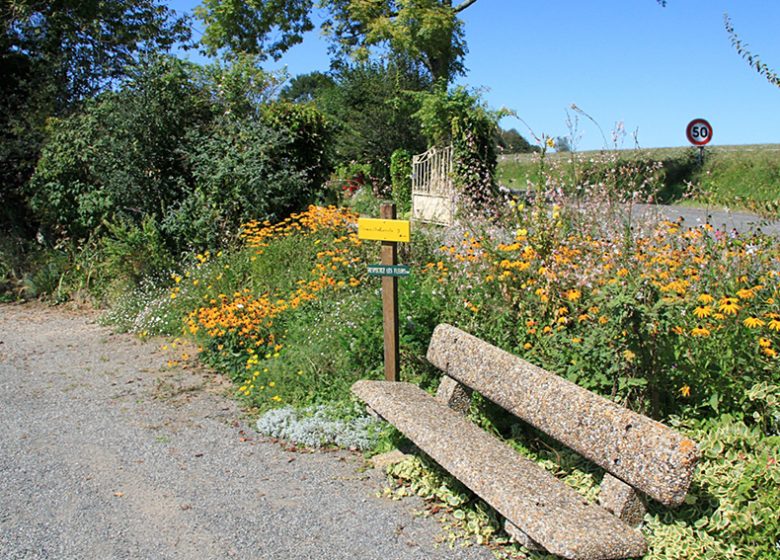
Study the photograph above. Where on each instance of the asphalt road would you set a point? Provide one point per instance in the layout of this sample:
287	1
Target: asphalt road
725	220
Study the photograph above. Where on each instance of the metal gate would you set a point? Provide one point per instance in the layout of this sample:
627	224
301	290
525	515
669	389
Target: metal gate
433	191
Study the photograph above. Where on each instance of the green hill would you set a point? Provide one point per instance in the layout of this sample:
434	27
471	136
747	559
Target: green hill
745	177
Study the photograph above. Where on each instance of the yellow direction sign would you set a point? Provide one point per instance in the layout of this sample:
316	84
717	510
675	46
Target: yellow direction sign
383	230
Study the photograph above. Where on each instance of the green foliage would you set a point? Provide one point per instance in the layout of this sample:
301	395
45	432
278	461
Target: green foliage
736	177
306	88
308	151
462	119
82	45
53	56
401	177
199	151
372	114
731	510
124	157
261	28
427	32
135	252
511	142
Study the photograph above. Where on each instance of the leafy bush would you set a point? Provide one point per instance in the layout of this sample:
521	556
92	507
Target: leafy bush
194	150
124	157
134	252
401	176
372	113
462	119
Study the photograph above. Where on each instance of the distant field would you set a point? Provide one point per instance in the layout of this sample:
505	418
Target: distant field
745	177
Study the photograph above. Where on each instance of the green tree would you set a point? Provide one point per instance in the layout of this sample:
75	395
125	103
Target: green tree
373	113
53	56
191	151
428	32
124	156
512	142
369	109
307	88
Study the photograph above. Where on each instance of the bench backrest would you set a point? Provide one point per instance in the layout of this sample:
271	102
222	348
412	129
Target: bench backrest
641	452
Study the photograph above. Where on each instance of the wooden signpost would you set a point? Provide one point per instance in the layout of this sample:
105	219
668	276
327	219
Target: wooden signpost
390	232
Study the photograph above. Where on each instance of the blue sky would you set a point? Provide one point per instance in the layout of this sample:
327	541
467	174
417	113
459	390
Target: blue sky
631	61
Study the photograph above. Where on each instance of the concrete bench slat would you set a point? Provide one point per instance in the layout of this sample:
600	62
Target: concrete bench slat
642	452
548	511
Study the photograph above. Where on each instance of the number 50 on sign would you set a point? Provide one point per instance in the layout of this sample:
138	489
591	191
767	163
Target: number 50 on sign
699	132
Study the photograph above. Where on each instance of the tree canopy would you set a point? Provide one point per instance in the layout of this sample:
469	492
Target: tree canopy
56	54
428	32
84	44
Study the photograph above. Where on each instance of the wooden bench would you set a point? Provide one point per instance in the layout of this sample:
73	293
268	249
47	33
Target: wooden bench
639	454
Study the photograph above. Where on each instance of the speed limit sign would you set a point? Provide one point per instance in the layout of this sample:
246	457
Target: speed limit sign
699	132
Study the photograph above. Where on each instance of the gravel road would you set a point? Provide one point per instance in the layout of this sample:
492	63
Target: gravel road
107	453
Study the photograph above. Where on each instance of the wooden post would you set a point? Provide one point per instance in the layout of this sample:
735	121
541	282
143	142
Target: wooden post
389	256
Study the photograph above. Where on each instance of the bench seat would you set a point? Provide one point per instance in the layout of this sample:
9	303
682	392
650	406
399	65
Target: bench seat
549	512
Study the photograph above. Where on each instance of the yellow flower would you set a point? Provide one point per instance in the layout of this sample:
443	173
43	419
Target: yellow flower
685	391
746	293
527	346
706	299
550	142
770	352
700	331
573	295
774	325
729	305
753	322
629	355
764	342
703	311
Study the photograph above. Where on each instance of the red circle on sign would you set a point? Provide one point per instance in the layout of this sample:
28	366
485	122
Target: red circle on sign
699	132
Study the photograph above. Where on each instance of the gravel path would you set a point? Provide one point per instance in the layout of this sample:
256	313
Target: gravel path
107	453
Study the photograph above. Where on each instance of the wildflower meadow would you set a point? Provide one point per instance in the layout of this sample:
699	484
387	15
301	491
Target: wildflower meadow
679	322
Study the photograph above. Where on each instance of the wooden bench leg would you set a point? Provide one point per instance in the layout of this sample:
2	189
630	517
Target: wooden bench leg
454	394
622	500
